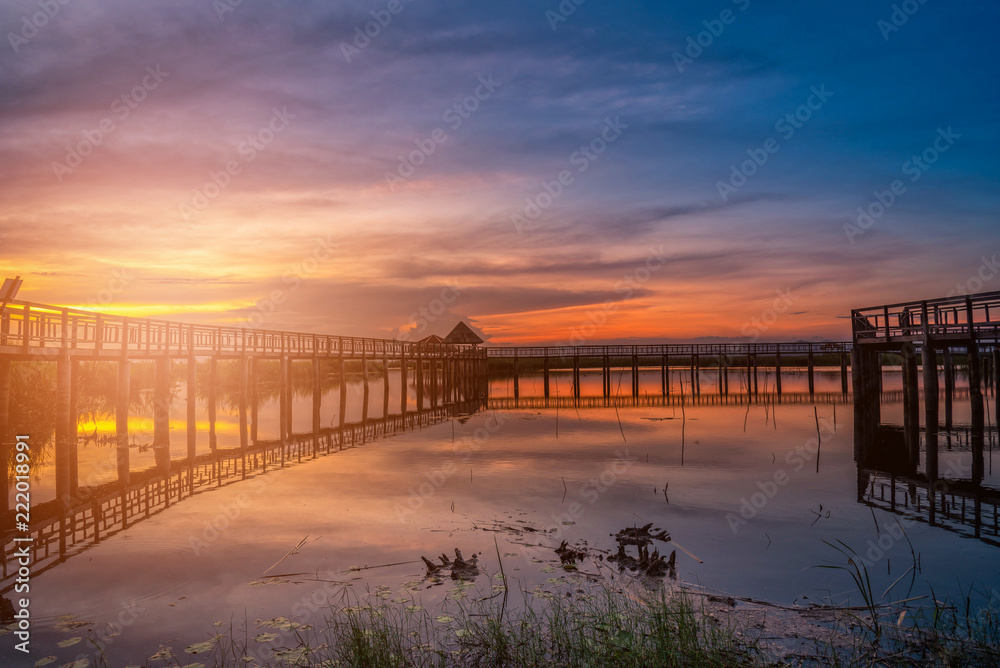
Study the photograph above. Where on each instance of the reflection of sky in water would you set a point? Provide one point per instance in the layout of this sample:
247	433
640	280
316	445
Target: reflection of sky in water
354	508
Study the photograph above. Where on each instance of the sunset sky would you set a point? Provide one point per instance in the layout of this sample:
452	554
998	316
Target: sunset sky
548	172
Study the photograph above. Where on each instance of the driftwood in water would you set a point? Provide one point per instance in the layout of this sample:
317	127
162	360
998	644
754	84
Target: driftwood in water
460	568
650	564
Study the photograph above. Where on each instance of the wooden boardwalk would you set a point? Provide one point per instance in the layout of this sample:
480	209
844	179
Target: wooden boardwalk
924	334
749	357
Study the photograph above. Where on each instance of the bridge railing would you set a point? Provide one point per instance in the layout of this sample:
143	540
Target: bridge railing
34	329
972	316
672	349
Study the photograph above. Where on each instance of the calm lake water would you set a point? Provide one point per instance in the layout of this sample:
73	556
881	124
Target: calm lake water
734	480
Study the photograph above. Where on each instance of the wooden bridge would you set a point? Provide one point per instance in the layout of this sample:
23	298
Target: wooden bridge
40	332
917	331
967	327
744	357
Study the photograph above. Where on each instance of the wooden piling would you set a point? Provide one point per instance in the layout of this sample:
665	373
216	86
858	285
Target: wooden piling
63	380
665	374
420	379
812	372
843	373
635	374
385	385
6	438
317	399
244	398
517	389
777	369
289	384
545	374
190	423
213	381
255	401
911	403
121	420
72	429
576	374
404	389
949	388
161	413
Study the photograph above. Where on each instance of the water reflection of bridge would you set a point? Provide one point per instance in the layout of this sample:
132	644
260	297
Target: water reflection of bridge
57	535
655	400
39	333
898	468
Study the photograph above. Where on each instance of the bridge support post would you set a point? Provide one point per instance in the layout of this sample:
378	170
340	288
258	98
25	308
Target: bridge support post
420	380
864	369
577	389
5	435
434	379
289	396
317	403
545	372
190	419
161	413
342	407
283	399
404	389
665	373
911	403
73	429
812	372
694	373
244	434
931	419
213	377
63	381
255	402
385	385
777	370
517	388
635	376
756	375
843	373
121	419
996	383
949	388
366	392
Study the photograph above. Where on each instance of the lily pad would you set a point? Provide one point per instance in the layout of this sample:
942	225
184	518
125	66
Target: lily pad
69	642
199	647
45	661
266	637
